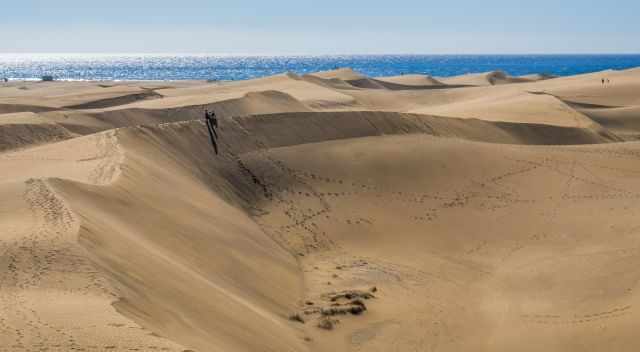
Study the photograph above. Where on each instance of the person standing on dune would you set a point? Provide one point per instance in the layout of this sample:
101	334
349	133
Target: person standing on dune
212	121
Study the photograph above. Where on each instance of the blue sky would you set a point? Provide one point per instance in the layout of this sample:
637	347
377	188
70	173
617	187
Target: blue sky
321	27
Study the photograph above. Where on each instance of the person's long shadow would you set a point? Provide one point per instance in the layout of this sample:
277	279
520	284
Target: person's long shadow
213	135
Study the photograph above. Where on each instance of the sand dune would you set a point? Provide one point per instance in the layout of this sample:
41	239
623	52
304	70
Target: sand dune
412	80
624	121
483	79
14	108
493	78
502	279
513	106
27	129
343	213
345	77
291	84
344	74
538	76
22	130
73	95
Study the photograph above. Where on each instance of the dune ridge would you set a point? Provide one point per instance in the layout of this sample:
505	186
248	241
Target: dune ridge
342	213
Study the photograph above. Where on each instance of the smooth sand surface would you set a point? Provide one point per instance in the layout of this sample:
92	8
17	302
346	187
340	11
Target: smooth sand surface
490	79
343	213
412	80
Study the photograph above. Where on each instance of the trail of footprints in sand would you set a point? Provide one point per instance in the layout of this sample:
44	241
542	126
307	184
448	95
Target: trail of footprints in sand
298	196
559	202
577	318
109	158
45	264
34	262
291	184
288	185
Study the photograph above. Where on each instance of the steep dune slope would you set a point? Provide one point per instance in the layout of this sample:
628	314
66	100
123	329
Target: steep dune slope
27	129
234	285
624	121
52	297
138	247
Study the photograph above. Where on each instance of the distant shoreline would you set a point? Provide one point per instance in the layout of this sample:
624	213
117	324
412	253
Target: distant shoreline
200	67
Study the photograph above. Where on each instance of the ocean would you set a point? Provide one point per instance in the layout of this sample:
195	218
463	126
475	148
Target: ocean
229	67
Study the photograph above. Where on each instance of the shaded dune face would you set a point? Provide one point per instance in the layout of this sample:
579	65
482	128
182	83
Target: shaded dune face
25	129
624	121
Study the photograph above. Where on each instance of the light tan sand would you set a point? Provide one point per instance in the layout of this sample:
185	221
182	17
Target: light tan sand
395	215
412	80
487	79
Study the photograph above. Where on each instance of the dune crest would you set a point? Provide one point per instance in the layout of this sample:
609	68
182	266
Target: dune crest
412	80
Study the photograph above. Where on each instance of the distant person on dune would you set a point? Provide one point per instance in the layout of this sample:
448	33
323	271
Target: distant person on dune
212	123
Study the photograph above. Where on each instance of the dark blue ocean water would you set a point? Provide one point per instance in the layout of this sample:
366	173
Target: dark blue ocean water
185	67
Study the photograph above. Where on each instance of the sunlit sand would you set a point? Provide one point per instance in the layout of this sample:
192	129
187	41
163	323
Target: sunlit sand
343	213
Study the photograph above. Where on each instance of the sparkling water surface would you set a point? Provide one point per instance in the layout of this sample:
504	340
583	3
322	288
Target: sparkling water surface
229	67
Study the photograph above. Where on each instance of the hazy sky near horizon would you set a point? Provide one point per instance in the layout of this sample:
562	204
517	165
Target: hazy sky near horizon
321	27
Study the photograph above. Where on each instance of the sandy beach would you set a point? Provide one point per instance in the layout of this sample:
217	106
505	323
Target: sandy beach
483	212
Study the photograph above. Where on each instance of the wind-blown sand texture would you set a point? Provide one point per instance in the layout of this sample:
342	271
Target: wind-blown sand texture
343	213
